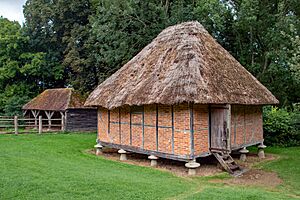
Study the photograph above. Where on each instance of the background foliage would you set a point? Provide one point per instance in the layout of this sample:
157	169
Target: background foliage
282	127
79	43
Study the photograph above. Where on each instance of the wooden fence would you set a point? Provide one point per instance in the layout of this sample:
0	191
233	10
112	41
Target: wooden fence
16	125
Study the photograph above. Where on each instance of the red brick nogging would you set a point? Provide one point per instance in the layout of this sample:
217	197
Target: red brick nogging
136	127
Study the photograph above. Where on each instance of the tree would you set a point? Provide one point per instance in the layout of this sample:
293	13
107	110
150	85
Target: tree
264	42
58	28
120	29
22	73
90	40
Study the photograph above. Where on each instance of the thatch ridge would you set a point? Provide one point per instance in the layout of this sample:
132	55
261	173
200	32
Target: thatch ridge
182	64
58	99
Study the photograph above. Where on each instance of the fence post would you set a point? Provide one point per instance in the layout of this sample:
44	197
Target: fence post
40	124
16	124
35	123
62	123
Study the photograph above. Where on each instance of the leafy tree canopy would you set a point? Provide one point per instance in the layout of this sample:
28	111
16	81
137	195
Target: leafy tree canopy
22	72
80	43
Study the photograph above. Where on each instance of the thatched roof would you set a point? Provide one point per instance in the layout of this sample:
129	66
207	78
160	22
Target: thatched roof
59	99
184	63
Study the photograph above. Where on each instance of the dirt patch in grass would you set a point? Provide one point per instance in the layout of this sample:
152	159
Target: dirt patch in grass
209	167
252	159
254	177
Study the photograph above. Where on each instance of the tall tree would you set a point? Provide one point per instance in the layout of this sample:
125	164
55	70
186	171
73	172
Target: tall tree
265	34
58	28
89	40
120	29
22	72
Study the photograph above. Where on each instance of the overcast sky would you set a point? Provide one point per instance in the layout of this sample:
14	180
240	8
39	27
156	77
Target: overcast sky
12	9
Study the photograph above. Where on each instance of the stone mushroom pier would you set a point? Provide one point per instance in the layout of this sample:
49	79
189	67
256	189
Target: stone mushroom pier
261	151
98	148
153	160
192	165
123	155
243	153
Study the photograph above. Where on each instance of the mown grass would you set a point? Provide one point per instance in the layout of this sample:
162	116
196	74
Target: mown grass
56	167
287	167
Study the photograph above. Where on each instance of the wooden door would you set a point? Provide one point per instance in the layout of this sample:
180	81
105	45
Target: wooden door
220	130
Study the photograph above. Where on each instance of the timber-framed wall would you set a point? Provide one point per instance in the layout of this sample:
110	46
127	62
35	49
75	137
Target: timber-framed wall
246	126
179	132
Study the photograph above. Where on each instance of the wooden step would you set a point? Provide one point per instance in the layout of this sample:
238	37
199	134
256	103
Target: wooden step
228	163
239	172
234	167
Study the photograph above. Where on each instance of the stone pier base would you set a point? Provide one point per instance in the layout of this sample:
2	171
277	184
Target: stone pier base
123	155
153	160
243	152
98	148
192	165
261	151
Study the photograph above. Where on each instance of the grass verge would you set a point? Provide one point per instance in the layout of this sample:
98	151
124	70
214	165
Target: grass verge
52	166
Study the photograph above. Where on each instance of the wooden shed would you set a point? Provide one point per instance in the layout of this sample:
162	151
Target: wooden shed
182	97
65	104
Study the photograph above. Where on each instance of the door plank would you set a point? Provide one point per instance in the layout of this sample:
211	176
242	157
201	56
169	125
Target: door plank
219	128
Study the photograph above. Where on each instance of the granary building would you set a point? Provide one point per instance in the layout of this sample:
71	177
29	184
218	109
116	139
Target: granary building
65	104
182	97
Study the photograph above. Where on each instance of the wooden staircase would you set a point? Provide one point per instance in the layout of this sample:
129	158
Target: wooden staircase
227	162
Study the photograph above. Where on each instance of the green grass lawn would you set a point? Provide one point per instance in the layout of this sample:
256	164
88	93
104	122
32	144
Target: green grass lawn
55	166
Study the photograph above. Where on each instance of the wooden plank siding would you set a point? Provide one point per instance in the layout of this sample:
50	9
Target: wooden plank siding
81	120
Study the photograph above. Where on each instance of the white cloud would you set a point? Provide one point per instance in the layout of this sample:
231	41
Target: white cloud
12	9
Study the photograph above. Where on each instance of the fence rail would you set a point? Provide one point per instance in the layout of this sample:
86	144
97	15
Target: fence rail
16	125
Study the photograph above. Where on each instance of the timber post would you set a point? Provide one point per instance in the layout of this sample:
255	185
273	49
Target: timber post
62	124
35	123
35	114
49	116
228	130
63	121
16	124
40	124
